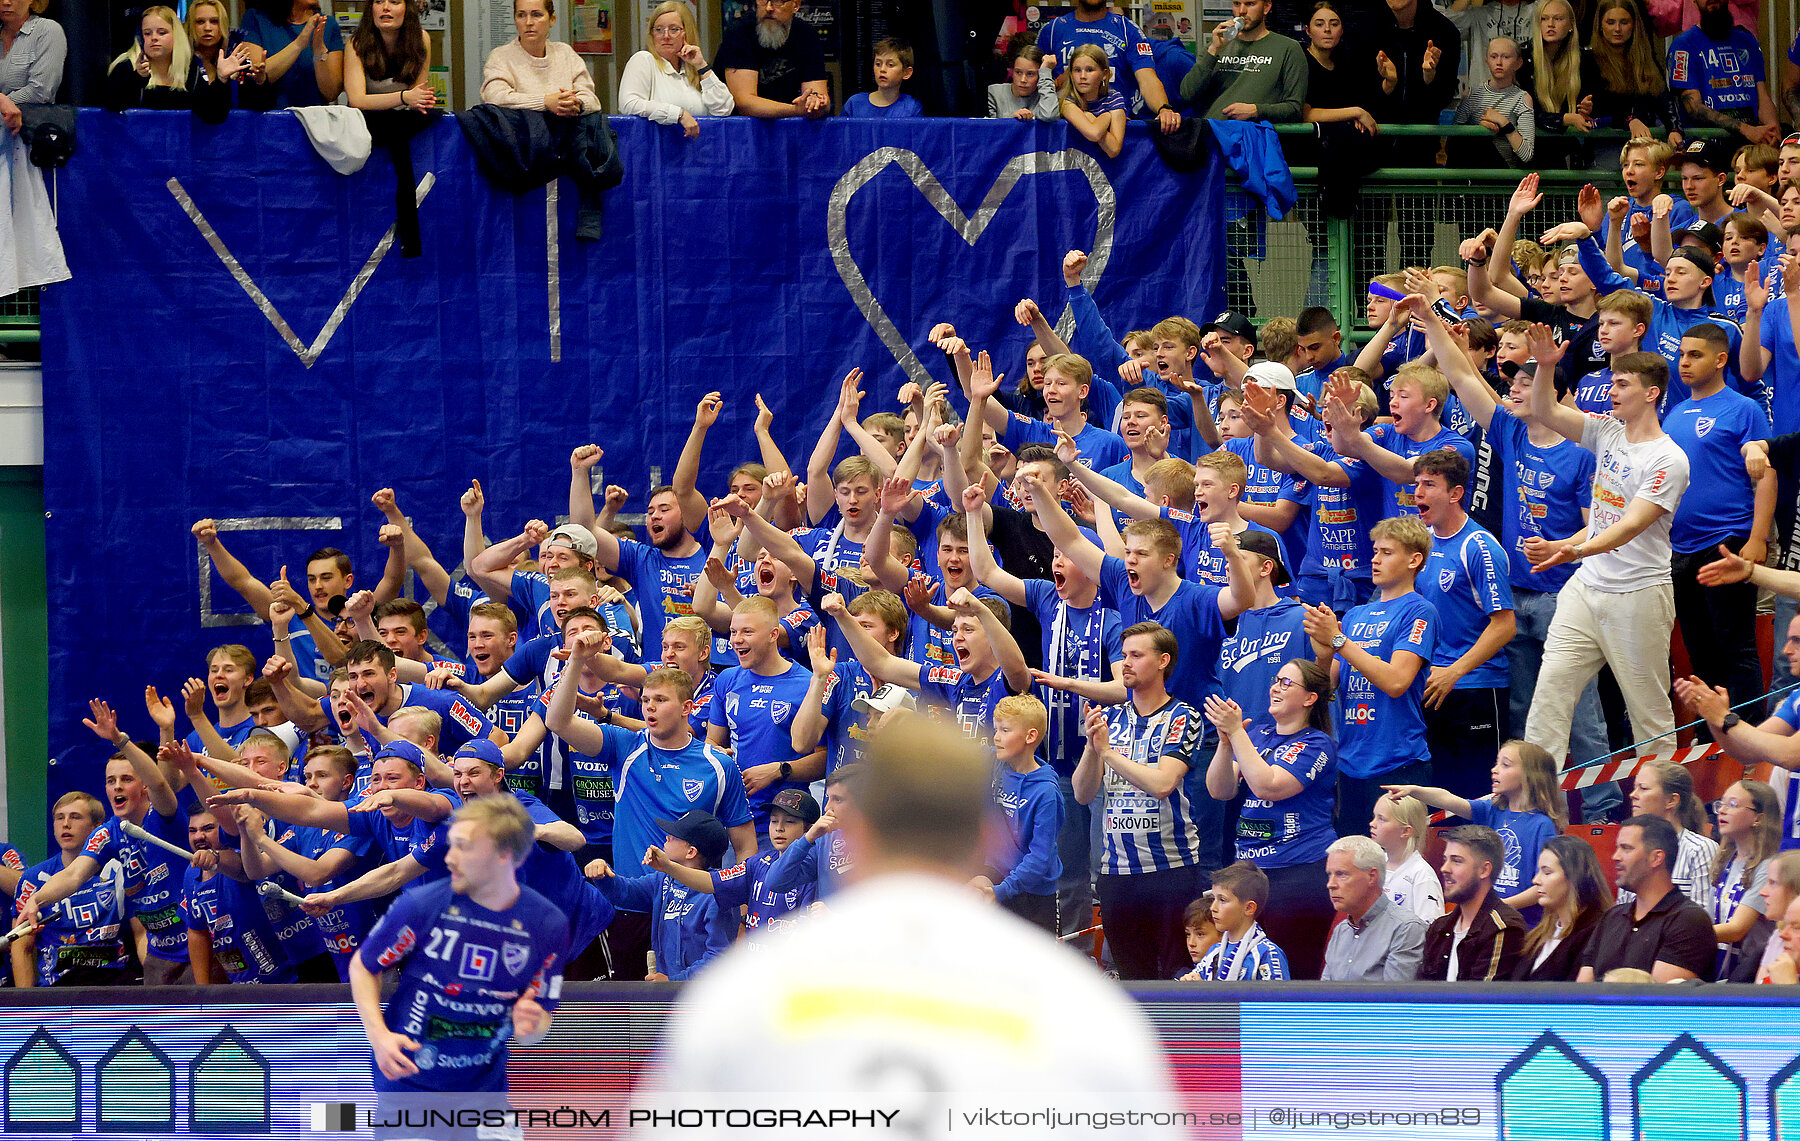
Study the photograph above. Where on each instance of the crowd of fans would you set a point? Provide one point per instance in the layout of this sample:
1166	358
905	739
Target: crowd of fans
1539	75
1233	608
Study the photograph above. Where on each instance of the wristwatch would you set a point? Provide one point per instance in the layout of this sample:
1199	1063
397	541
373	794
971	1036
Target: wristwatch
1731	721
787	769
1338	639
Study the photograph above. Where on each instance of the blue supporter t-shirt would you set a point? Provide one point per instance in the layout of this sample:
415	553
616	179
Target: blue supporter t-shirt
1100	448
244	941
394	841
746	885
1782	373
1466	579
462	967
298	86
845	728
1336	569
1297	830
969	700
1267	487
1191	614
1725	74
1722	500
1545	488
1524	834
1400	496
1593	392
860	106
662	584
1262	641
1380	733
660	784
153	875
82	931
759	711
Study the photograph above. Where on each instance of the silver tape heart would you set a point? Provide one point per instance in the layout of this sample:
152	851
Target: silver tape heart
970	228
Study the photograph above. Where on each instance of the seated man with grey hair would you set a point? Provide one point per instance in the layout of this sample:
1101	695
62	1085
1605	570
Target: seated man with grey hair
1377	941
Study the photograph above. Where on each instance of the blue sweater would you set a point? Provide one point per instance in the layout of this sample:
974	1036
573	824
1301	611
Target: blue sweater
1033	806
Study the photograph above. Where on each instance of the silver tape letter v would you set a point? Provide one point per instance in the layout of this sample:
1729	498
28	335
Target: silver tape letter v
307	353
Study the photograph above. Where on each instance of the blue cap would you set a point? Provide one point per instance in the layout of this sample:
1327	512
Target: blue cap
703	831
483	749
405	750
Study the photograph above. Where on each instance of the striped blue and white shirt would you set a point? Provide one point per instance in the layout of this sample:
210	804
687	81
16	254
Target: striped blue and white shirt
1145	833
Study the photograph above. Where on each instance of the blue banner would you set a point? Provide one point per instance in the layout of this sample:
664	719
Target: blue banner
239	341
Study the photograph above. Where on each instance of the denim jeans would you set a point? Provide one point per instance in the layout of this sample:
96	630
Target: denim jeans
1075	845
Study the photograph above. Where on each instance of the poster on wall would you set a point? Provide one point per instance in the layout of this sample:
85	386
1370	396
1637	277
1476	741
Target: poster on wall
823	16
1175	15
591	26
435	16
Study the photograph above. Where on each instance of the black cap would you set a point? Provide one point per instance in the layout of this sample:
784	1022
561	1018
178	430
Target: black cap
797	803
703	831
1265	546
1688	253
1714	154
1705	232
1231	321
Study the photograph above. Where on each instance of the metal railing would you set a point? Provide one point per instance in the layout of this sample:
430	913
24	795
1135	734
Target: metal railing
1407	216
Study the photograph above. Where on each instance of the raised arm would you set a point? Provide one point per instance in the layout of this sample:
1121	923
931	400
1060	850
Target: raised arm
1065	536
1006	647
1545	408
819	491
236	575
987	572
772	459
882	666
687	467
809	724
105	724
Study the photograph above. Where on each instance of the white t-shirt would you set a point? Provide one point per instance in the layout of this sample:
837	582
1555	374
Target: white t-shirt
909	984
1656	470
1415	887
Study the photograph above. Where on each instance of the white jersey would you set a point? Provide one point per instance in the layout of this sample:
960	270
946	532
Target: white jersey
1414	887
1656	470
911	992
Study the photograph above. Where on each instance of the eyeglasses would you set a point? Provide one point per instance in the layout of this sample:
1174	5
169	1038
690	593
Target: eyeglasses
1285	683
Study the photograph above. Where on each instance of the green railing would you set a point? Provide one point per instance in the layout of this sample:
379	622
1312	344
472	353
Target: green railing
1281	267
1406	216
19	317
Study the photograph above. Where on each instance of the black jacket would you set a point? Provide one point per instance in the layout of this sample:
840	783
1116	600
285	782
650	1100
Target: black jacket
1564	962
1489	952
1414	100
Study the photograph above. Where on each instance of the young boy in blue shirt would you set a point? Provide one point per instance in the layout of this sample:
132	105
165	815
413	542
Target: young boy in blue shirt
893	65
1386	646
688	927
746	884
1031	801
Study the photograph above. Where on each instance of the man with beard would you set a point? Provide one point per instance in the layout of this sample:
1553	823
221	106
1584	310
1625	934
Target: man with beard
1252	74
1717	70
775	70
1127	51
1481	938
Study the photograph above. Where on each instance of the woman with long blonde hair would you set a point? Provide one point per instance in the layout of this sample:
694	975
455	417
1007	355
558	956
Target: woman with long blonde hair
672	82
1556	91
159	72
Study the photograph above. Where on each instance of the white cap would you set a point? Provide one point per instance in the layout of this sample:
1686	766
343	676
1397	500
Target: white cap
1272	375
